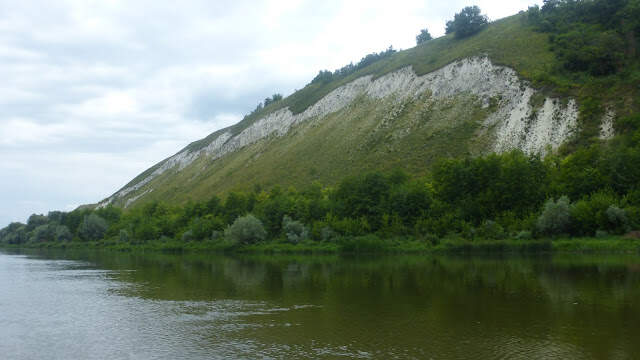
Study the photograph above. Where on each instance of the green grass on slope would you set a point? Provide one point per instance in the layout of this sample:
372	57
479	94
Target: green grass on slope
367	135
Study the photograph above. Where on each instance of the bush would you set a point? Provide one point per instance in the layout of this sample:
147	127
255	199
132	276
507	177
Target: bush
246	230
295	231
601	234
467	22
590	214
555	218
524	235
490	230
43	233
618	220
123	236
423	37
92	228
62	233
187	236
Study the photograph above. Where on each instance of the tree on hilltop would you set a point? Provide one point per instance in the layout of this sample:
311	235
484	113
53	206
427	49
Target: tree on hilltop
423	37
467	22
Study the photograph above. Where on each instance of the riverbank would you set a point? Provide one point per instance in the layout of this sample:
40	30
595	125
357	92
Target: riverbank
368	244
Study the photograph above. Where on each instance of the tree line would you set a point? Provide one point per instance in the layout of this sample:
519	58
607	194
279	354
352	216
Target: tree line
593	191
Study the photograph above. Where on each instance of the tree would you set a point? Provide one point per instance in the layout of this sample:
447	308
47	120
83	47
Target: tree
556	217
423	37
467	22
295	231
246	230
92	228
62	233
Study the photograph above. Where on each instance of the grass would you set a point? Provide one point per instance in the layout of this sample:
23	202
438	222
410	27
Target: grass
346	142
371	244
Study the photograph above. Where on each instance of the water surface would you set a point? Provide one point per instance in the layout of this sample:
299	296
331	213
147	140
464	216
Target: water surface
106	305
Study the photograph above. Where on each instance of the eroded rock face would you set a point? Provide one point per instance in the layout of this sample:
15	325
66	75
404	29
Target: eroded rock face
517	123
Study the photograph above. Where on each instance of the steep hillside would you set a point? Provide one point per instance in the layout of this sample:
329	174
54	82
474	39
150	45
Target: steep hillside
445	98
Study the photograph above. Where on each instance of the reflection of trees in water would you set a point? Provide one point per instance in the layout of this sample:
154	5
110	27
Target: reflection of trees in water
587	302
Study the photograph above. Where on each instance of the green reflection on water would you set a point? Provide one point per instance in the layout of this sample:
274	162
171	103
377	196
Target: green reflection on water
565	306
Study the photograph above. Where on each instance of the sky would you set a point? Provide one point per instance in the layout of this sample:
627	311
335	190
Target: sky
93	92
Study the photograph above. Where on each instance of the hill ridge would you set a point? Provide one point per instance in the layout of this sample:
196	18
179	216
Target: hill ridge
520	122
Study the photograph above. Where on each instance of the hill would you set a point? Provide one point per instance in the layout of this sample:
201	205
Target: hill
449	97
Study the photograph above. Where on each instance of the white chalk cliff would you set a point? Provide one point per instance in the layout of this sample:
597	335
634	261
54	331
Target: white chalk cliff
517	123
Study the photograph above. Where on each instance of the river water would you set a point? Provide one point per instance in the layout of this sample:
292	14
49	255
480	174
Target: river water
106	305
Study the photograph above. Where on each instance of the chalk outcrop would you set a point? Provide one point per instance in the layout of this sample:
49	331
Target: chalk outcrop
518	123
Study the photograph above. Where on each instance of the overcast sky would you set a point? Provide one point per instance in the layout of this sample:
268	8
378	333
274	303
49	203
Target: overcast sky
94	92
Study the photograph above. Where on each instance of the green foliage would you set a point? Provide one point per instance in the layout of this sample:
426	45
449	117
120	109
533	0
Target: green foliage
423	37
363	197
62	234
590	214
246	230
325	76
295	231
92	228
555	218
467	22
475	199
36	220
593	36
484	187
123	236
618	220
490	230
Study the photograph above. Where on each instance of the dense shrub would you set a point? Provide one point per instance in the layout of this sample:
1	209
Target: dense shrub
618	220
490	230
294	231
92	228
597	37
62	233
556	217
590	214
246	230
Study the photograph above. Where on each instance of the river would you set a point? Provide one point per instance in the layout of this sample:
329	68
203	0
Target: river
107	305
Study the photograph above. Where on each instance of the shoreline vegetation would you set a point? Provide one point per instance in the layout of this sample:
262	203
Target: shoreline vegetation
365	245
511	202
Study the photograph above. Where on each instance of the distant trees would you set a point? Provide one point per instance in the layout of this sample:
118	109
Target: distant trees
274	98
267	101
467	22
423	37
325	76
596	37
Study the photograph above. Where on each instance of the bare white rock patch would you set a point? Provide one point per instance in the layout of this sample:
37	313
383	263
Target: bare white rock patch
606	126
